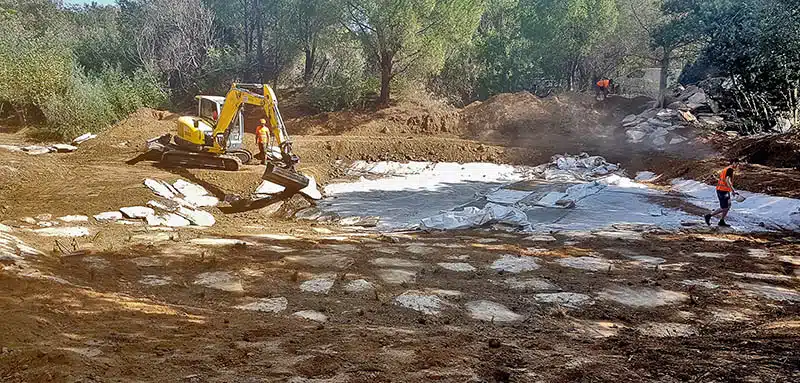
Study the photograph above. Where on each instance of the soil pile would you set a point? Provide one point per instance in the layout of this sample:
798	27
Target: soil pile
780	151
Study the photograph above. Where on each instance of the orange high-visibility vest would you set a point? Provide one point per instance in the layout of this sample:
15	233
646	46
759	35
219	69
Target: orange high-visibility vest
262	134
721	184
603	83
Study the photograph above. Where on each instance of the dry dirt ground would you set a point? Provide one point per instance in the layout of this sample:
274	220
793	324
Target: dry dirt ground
232	303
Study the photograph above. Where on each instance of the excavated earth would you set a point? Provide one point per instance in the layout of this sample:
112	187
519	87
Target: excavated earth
258	298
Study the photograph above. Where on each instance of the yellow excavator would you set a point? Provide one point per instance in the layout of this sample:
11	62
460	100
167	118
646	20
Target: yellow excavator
214	138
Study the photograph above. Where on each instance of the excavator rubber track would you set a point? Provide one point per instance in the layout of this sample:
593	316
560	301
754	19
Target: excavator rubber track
176	157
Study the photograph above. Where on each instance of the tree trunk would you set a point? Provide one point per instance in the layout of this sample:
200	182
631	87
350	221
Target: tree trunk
662	83
386	77
308	71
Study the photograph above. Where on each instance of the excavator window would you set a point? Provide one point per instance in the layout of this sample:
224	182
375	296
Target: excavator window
208	109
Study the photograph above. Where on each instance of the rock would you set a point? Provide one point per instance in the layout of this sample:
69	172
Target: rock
425	303
645	176
586	263
222	280
11	148
197	217
642	297
660	132
29	220
533	284
155	280
667	114
108	216
44	217
152	237
491	312
358	286
311	214
64	148
635	136
397	276
172	220
35	150
135	212
667	330
715	108
45	224
643	127
166	205
458	267
359	221
395	262
783	125
690	91
514	264
74	218
202	201
658	123
697	98
70	232
321	284
266	305
659	141
159	188
189	189
83	138
679	106
688	116
566	299
312	315
677	140
629	118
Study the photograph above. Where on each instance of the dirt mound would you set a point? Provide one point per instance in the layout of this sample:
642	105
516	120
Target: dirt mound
129	135
431	118
780	151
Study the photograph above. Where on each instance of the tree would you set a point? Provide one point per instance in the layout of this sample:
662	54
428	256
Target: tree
311	19
407	36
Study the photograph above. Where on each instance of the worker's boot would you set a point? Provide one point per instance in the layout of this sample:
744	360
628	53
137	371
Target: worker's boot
707	217
723	224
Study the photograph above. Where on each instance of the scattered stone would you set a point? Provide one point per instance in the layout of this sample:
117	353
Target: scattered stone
395	262
711	255
396	276
109	216
586	263
321	259
514	264
29	220
159	188
459	267
597	329
321	284
419	301
171	220
643	297
44	217
219	242
765	277
541	238
704	283
420	250
388	250
266	305
725	315
220	280
635	136
63	232
358	286
74	218
64	148
155	280
644	259
677	140
569	300
147	262
189	189
166	205
83	138
152	237
532	284
359	221
128	222
312	315
624	235
36	150
197	217
311	214
758	253
659	141
46	224
491	312
667	330
136	212
629	119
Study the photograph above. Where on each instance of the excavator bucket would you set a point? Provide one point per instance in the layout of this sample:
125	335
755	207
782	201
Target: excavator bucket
287	178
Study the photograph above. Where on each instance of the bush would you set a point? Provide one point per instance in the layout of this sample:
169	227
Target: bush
94	103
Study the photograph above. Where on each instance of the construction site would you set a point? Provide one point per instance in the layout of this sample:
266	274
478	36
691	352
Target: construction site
455	245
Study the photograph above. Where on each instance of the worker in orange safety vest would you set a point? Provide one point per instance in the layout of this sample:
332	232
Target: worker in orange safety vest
724	191
262	138
603	88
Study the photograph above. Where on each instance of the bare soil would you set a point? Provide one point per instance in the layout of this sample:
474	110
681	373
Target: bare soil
96	314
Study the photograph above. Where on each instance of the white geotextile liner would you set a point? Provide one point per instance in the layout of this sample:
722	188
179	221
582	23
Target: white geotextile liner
757	211
473	217
568	168
425	176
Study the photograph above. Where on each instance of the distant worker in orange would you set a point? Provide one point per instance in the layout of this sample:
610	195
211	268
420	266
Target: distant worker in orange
724	191
603	88
262	138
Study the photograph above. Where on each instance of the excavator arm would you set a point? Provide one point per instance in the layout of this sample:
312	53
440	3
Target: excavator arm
241	94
